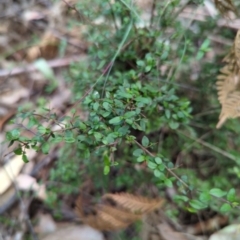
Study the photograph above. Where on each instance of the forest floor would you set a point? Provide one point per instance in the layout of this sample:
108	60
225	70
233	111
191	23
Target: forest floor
37	47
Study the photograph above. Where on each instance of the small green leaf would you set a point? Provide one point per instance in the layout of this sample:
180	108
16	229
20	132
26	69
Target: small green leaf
129	121
143	124
161	167
216	192
173	125
129	114
69	138
106	170
96	106
152	165
231	196
137	152
167	113
45	148
123	130
235	204
98	136
140	159
25	158
143	100
104	113
32	122
157	173
168	183
82	126
42	129
181	198
148	68
225	208
125	94
57	139
158	160
15	133
205	197
115	120
107	106
197	204
145	141
18	151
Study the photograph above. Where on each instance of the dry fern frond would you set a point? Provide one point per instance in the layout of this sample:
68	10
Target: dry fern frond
103	221
125	210
231	61
226	84
230	108
115	218
122	214
233	57
237	48
135	203
225	6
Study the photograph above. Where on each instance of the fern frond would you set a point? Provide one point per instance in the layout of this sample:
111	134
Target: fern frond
135	203
237	48
115	218
230	108
103	221
225	6
121	214
105	217
226	84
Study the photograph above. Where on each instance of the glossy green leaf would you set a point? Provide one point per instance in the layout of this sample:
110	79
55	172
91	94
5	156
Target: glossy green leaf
145	141
231	195
137	152
158	160
197	204
216	192
25	158
225	208
45	148
115	120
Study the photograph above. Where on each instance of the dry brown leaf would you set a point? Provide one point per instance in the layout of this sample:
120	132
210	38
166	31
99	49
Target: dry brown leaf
47	48
225	6
101	220
135	203
127	208
123	214
104	217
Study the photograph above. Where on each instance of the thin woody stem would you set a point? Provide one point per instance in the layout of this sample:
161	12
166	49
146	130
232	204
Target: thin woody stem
169	170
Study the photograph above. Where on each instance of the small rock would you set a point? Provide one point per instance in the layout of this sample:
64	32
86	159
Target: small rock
74	232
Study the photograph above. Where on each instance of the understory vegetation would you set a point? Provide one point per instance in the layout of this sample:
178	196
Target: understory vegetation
144	109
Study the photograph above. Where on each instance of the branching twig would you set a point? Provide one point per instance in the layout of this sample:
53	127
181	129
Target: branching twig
168	169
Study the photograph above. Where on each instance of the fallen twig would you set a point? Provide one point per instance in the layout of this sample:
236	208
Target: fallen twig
56	63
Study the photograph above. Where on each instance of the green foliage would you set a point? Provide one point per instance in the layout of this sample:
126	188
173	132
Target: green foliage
139	114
